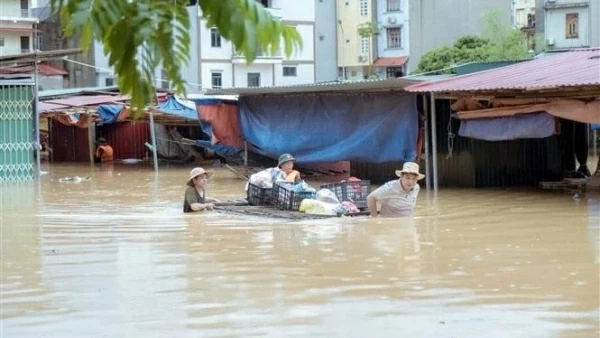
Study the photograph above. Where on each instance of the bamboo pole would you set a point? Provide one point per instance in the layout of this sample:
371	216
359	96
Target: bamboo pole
90	138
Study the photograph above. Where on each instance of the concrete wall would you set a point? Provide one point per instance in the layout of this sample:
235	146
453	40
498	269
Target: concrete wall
225	68
556	27
325	41
304	74
266	71
53	38
349	47
436	23
386	20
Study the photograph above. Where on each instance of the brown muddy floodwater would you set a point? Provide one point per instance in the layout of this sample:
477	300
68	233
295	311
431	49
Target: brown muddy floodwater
115	257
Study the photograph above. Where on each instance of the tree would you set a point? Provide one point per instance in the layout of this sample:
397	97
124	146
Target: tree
368	30
141	35
498	42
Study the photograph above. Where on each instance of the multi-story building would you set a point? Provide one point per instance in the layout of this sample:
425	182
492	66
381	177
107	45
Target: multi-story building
393	47
523	18
355	54
568	24
17	26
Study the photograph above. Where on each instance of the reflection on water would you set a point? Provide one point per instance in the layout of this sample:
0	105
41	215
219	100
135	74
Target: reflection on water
114	256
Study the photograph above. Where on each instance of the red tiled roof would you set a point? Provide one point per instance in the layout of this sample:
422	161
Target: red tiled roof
43	69
567	69
391	61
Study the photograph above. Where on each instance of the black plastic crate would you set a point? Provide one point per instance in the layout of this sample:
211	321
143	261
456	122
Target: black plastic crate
286	199
259	196
353	191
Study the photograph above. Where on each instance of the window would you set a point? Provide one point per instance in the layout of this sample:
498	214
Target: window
164	83
364	7
109	82
215	38
253	79
393	5
289	71
1	42
572	26
393	37
394	72
216	79
265	3
364	46
25	44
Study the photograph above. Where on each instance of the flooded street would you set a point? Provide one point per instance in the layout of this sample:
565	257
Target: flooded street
114	256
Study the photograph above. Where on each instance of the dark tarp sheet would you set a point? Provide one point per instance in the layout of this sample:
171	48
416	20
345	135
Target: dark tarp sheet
174	107
109	113
377	127
535	125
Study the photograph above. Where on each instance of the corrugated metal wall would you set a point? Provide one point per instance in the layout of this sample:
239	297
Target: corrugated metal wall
465	162
70	144
127	139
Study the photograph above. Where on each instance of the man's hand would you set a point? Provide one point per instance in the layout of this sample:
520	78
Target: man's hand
209	206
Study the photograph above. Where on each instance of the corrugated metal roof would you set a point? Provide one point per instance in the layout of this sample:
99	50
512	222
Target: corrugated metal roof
74	91
573	68
390	61
43	69
334	86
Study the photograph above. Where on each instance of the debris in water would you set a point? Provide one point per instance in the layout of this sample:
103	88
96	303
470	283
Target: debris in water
74	179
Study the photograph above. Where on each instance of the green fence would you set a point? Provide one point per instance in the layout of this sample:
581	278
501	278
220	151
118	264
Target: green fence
16	132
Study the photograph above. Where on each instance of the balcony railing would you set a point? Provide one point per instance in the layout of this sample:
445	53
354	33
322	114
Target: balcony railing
25	13
260	54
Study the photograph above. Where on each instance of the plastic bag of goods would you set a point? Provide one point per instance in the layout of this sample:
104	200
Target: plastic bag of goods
262	179
327	196
315	207
303	187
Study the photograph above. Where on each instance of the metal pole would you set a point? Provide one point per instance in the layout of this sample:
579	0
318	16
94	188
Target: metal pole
90	138
426	143
595	142
36	122
434	144
153	136
245	154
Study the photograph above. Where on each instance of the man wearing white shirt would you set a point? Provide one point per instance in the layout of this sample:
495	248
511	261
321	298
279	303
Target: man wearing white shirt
399	197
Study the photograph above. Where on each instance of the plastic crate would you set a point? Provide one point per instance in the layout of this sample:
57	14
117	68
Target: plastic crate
286	199
353	191
259	196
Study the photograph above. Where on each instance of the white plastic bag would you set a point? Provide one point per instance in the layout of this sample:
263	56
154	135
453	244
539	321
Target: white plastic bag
315	207
262	179
327	196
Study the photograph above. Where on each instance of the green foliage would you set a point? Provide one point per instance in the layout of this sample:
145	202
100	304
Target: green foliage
141	35
498	42
368	30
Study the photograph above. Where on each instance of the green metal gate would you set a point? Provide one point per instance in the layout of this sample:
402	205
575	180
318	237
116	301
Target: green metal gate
16	132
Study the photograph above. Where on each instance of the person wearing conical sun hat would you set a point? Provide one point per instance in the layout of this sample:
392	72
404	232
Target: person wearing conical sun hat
398	197
195	199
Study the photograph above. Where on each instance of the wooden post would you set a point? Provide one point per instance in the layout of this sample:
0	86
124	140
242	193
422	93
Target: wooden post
245	154
91	142
426	144
434	145
153	137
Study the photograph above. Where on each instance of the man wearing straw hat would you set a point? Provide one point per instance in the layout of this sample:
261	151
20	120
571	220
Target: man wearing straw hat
195	199
397	197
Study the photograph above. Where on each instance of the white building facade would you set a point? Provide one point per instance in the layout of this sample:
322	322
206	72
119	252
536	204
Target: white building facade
571	23
17	26
221	66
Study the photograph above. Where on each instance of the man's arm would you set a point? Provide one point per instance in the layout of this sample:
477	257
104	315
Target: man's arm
377	195
201	206
372	205
192	199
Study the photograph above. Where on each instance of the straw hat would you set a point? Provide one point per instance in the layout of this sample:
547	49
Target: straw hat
195	173
410	168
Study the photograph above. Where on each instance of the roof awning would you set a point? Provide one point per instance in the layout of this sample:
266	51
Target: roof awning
390	61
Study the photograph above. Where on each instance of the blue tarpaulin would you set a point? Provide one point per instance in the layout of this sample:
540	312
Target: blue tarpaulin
109	113
595	126
370	127
538	125
173	107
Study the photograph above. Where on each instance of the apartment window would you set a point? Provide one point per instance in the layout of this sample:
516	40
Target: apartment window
265	3
393	72
215	38
216	79
1	42
25	44
109	82
289	71
394	37
164	83
572	27
364	7
253	79
393	5
364	46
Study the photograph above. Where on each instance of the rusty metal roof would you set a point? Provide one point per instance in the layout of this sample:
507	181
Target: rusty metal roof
567	69
390	61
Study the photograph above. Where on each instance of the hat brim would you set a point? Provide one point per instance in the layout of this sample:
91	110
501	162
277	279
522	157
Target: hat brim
419	175
207	173
287	160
